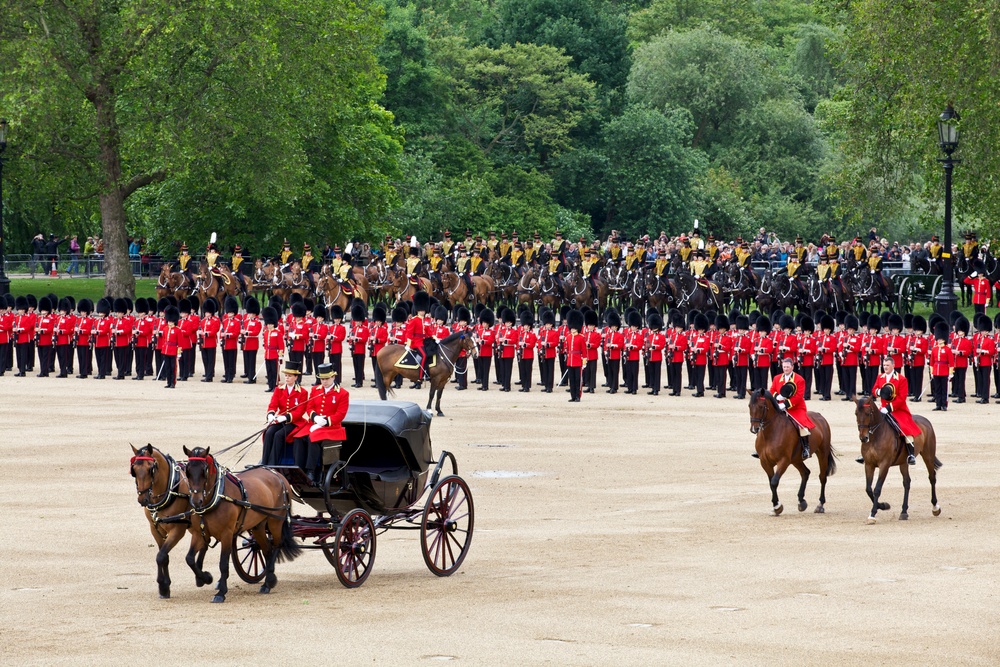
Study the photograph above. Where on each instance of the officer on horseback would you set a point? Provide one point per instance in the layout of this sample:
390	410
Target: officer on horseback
789	392
892	388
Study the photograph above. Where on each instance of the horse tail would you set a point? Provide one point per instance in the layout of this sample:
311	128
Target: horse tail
937	463
831	461
288	549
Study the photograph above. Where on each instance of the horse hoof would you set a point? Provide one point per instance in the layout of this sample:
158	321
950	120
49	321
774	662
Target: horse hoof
778	509
820	510
884	506
265	589
871	520
219	598
936	511
440	414
903	516
165	596
803	505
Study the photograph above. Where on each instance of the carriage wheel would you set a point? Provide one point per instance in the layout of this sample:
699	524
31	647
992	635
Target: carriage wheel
446	527
352	552
905	296
248	559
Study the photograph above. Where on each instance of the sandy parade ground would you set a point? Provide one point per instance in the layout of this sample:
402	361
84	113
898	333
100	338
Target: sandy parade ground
622	530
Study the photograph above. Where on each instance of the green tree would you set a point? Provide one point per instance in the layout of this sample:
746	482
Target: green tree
131	93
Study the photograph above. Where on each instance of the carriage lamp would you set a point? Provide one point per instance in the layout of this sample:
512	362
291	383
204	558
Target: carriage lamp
947	123
4	280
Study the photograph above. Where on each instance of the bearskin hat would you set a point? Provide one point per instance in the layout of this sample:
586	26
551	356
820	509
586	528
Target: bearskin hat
908	321
895	322
701	323
270	316
421	302
591	318
574	320
487	317
548	317
851	322
232	305
787	322
634	319
252	305
162	305
337	313
85	306
721	322
399	315
962	325
209	307
655	321
526	319
319	311
295	298
613	319
63	305
742	322
32	301
508	316
807	324
299	309
378	314
941	331
441	314
919	324
44	305
934	319
464	315
172	315
763	324
120	306
953	316
103	307
358	313
873	322
141	306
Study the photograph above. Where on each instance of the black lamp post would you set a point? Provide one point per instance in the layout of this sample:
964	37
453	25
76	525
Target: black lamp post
4	280
946	301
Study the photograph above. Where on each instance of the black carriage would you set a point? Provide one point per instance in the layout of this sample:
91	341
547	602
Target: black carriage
386	467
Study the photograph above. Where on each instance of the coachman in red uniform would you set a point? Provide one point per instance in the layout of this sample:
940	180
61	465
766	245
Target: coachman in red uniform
284	414
321	433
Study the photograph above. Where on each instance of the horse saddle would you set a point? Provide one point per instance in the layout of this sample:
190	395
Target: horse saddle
347	287
413	358
415	281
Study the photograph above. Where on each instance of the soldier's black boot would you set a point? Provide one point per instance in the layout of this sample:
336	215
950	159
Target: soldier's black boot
910	458
804	439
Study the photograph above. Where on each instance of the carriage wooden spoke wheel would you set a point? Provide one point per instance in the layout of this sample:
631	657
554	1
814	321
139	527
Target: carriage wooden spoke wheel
447	524
248	560
352	551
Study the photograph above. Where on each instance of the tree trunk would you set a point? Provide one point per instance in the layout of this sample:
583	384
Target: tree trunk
118	278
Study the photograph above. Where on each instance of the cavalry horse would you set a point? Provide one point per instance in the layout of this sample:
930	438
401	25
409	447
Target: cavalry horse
527	288
379	279
659	291
504	278
882	448
162	489
444	353
218	287
404	289
456	291
549	290
778	447
263	279
286	284
333	293
169	283
580	293
695	295
224	504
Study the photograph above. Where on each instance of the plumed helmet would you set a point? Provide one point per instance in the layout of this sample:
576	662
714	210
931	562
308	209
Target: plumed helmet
270	316
763	324
299	309
141	306
787	322
252	305
44	304
807	324
895	322
591	318
85	306
103	307
614	319
962	325
421	302
398	315
508	316
851	322
359	313
232	305
526	319
742	322
319	311
887	392
721	322
919	324
701	323
378	314
120	305
827	323
337	313
172	315
487	317
941	331
209	307
633	318
574	320
548	318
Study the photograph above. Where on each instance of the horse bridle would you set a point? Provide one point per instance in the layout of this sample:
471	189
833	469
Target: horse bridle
869	426
173	483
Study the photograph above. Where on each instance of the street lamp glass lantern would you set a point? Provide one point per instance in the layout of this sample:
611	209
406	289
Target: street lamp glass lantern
948	130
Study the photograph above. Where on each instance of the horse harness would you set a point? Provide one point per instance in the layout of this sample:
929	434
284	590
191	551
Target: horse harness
173	485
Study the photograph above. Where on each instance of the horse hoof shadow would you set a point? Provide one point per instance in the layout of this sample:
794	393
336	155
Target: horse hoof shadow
778	509
819	510
803	505
903	516
936	511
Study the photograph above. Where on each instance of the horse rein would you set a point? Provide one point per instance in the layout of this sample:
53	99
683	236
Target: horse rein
869	426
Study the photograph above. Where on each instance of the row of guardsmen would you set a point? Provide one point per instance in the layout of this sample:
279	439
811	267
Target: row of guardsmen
116	338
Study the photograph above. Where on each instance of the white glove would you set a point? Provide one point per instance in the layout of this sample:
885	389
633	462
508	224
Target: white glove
320	420
270	417
281	419
884	411
314	428
783	406
974	274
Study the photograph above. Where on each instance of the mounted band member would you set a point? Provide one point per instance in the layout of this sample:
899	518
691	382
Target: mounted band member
800	251
970	249
413	262
711	250
935	251
875	268
435	263
182	263
212	257
286	254
794	268
235	262
447	244
788	389
558	245
699	265
556	267
516	257
463	267
590	267
342	271
858	250
892	388
531	249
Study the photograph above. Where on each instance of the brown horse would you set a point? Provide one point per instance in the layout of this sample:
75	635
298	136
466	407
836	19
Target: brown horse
224	504
333	292
882	448
296	282
162	490
527	287
170	283
778	447
379	279
580	293
404	290
218	287
447	352
456	292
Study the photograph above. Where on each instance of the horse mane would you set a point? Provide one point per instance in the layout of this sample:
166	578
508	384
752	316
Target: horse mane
763	393
451	338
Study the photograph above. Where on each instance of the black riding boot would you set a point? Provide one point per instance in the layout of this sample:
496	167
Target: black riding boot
804	439
911	459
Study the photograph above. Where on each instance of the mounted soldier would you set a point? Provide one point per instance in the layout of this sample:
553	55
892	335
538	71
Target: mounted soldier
342	271
235	262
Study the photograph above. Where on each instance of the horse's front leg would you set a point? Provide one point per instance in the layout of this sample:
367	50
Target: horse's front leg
163	558
196	559
804	473
876	493
440	390
226	549
774	476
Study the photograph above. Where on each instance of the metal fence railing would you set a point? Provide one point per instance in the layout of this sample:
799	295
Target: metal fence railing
83	266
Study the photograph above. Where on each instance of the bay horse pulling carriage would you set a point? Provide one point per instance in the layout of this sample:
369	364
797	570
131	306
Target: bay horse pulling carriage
384	471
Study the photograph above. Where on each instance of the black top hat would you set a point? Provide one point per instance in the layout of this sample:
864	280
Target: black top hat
292	368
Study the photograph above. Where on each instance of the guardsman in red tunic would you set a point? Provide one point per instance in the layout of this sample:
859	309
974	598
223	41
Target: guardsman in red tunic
984	354
850	347
7	319
487	337
336	334
171	345
507	338
284	414
961	347
273	340
633	349
722	352
298	335
788	389
893	389
808	344
982	290
548	347
142	334
592	340
677	349
742	349
358	339
825	351
250	339
65	324
44	335
526	341
208	338
614	343
656	345
318	332
231	326
699	353
102	344
321	435
463	320
575	353
941	362
763	350
919	348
